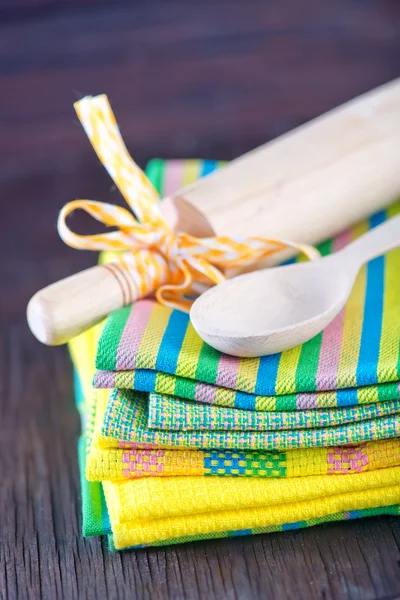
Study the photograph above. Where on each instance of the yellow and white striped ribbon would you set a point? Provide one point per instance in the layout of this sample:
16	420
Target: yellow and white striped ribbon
156	258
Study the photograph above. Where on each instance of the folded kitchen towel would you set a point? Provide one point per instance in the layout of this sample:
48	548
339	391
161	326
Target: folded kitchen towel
170	413
125	424
108	464
152	510
355	360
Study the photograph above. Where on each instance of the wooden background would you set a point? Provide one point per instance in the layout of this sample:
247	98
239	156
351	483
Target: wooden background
186	79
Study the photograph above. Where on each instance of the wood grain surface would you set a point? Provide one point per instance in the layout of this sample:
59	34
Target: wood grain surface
186	79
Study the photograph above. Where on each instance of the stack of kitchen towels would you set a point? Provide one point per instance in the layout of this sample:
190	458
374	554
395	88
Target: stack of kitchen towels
181	442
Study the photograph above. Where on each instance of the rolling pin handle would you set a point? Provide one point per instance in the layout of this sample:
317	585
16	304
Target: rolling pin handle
65	309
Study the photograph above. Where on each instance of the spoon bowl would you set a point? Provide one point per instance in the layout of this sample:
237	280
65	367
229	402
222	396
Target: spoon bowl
297	302
272	310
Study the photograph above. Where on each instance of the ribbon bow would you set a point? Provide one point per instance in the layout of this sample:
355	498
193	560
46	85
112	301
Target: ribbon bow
154	258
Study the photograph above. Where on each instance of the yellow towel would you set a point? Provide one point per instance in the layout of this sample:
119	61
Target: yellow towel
132	526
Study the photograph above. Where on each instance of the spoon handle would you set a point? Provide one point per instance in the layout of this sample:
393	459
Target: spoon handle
379	240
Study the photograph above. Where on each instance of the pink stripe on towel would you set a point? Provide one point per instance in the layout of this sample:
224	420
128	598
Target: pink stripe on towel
133	334
228	367
205	393
173	176
332	336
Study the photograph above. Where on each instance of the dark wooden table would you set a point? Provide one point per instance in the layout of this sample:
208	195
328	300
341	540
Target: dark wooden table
186	79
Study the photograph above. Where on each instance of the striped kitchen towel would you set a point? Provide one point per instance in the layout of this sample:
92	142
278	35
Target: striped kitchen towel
355	360
125	425
170	413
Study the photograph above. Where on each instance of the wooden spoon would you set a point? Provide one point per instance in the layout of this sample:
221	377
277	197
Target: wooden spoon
276	309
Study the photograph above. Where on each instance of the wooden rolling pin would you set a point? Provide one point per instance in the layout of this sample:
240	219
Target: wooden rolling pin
305	186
